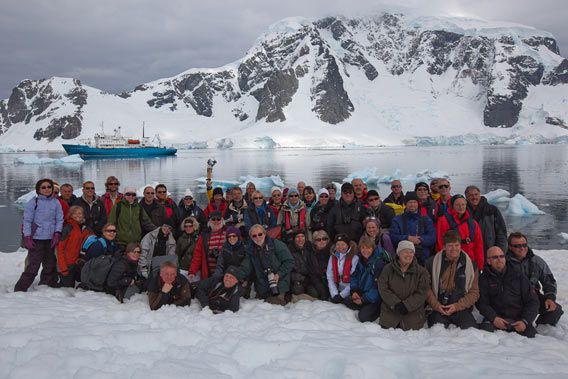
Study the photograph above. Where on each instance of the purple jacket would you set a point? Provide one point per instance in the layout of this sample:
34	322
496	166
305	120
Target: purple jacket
47	217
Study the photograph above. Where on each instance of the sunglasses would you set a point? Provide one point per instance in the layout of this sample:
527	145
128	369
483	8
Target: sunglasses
162	191
130	194
89	188
45	187
444	186
257	235
321	239
215	218
149	193
520	245
373	198
258	198
397	186
277	195
136	251
502	256
188	198
188	226
293	195
324	195
112	184
232	236
110	231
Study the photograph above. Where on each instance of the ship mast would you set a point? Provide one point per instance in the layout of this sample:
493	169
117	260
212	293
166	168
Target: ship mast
143	124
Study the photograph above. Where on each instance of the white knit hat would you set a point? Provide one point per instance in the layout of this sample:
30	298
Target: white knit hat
188	193
405	245
130	189
323	190
275	188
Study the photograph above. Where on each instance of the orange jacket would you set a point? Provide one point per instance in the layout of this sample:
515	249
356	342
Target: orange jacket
69	247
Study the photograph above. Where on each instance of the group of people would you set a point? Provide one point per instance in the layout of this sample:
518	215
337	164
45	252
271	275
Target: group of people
426	256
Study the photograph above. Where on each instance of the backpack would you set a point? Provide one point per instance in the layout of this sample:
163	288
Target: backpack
92	239
95	272
455	227
34	228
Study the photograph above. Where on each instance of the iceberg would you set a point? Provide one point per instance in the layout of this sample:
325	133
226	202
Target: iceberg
498	196
35	160
266	182
563	238
521	206
224	143
193	145
369	176
265	143
10	149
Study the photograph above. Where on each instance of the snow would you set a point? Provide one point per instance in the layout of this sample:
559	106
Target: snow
48	333
35	160
10	149
521	206
563	238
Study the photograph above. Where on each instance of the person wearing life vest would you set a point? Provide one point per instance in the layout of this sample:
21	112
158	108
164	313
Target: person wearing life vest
459	219
293	216
341	265
69	248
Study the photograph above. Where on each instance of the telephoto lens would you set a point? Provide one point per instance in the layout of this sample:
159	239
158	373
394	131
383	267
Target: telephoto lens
272	284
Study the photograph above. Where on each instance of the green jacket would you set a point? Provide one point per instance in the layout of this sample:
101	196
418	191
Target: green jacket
410	288
130	221
273	255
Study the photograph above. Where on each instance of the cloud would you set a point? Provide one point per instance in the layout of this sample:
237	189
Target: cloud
115	45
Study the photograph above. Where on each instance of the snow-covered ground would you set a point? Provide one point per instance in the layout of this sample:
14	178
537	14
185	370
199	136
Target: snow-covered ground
63	333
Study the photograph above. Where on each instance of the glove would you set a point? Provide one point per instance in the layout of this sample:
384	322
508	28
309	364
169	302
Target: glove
55	239
401	308
337	299
29	242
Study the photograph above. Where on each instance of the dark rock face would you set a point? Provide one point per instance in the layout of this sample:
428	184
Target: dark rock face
548	42
67	127
275	95
558	76
556	121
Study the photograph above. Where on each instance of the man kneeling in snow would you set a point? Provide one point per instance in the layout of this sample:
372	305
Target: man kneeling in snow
455	288
221	293
168	288
507	300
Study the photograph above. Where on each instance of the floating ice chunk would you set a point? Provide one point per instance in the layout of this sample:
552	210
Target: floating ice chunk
225	184
563	238
23	200
262	182
365	174
265	143
521	206
32	159
10	149
225	143
193	145
498	196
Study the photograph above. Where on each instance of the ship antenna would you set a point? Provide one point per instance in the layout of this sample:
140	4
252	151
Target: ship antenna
143	124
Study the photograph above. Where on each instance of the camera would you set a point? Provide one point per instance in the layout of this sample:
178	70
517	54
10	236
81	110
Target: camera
214	253
211	162
444	298
272	284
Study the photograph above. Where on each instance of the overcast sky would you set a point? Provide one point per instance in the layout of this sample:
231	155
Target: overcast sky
116	45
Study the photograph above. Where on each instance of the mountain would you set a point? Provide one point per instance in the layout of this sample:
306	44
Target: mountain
385	79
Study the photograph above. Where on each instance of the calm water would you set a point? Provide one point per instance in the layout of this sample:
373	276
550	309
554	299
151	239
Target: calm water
539	172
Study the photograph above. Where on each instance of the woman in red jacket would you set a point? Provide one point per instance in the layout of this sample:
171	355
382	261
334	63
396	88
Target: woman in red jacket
68	250
459	219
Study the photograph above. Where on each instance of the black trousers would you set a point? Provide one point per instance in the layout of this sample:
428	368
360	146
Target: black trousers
463	319
41	255
545	317
367	312
488	326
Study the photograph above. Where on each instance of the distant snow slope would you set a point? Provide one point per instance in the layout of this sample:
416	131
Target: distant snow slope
64	333
385	79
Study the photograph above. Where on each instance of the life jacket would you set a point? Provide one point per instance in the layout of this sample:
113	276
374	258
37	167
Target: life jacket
92	239
346	277
455	227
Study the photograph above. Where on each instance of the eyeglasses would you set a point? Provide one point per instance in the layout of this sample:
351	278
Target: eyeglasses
348	192
502	256
110	231
422	189
136	251
258	198
257	235
324	195
444	186
321	239
215	218
277	195
519	245
112	184
232	236
188	198
149	193
373	198
89	188
293	195
45	187
161	191
130	194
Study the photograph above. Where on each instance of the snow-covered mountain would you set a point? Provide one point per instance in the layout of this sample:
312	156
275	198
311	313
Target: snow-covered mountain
385	79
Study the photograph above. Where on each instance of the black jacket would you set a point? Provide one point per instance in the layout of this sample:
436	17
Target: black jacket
121	274
346	218
212	293
384	213
491	223
508	295
193	211
230	256
95	214
318	216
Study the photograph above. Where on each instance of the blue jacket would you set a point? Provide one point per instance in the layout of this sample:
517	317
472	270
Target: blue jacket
427	232
364	278
46	215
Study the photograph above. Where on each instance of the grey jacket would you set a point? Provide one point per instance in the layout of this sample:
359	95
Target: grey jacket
147	244
538	272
